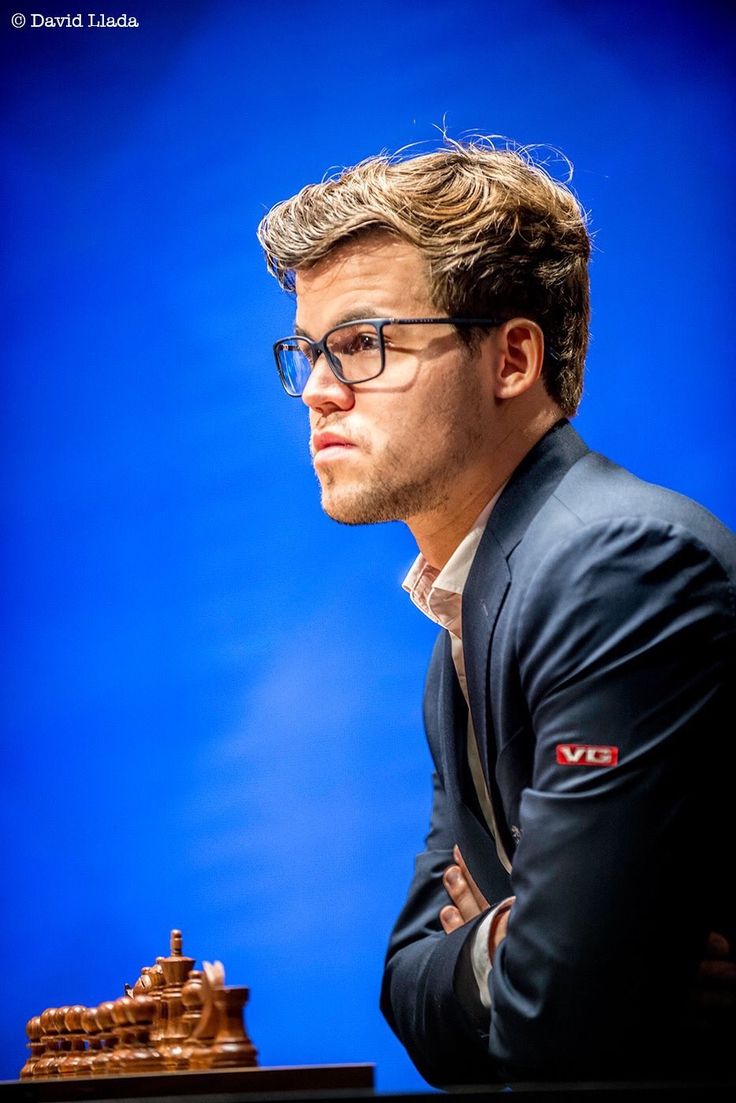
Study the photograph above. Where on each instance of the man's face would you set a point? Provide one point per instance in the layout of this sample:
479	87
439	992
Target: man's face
400	446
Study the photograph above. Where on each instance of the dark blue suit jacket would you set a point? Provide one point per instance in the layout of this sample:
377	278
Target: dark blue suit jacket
600	611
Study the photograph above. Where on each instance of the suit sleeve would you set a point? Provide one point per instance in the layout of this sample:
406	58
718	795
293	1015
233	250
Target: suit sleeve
624	639
429	995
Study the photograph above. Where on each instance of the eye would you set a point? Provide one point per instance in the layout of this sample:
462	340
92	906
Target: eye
354	341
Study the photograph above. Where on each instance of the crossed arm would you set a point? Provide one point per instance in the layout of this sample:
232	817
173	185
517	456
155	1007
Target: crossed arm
716	973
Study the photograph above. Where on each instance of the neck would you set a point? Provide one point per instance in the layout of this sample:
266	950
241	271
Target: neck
438	532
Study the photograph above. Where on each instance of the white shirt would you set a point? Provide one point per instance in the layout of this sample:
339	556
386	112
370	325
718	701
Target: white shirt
439	595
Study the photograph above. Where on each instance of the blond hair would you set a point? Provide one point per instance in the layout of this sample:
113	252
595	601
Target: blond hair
500	236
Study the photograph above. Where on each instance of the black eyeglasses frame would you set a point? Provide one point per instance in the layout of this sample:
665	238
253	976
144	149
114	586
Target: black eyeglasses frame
320	347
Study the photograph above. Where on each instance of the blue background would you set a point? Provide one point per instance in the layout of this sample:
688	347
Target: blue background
211	693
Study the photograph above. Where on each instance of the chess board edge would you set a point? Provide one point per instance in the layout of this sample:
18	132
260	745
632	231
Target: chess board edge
253	1079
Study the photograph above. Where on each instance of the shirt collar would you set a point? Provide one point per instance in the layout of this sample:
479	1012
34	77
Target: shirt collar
438	594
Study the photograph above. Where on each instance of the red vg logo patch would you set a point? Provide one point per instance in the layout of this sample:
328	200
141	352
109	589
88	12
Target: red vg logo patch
586	754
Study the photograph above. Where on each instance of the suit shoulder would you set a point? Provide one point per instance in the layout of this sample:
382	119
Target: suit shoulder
597	495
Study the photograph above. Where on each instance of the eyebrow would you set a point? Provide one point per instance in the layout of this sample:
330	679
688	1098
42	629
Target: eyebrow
357	314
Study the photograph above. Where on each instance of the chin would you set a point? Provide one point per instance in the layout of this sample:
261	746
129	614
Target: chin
356	508
379	503
348	513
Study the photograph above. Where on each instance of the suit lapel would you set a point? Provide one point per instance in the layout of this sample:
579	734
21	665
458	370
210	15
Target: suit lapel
470	820
453	719
534	480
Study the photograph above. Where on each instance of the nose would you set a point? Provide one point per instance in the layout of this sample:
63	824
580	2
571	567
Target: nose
323	391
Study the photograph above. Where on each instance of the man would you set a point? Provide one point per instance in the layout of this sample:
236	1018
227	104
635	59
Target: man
579	697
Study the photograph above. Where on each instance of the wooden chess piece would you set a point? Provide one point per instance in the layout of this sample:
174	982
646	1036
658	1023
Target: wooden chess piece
153	983
142	1057
47	1059
69	1063
232	1048
176	969
36	1046
198	1049
192	998
118	1059
144	983
91	1035
60	1045
100	1064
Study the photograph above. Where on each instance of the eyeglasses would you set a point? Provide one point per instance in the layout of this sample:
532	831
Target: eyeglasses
355	351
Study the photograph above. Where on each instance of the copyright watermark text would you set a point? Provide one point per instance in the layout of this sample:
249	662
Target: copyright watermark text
72	20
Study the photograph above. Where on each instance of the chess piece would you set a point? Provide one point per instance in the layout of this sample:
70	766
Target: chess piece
142	1057
100	1064
144	984
232	1048
176	969
36	1046
60	1042
47	1060
192	998
118	1059
199	1047
91	1035
70	1061
151	983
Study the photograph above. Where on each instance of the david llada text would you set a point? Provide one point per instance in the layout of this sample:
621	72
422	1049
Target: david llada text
81	19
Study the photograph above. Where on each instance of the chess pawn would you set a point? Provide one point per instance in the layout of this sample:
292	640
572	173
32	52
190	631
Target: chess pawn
91	1034
142	1057
100	1064
69	1063
47	1060
232	1048
36	1046
176	969
121	1020
61	1044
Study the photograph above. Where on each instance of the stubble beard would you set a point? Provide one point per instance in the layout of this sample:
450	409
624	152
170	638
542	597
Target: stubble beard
393	492
381	501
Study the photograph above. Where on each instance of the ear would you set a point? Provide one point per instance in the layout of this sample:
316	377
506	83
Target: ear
521	354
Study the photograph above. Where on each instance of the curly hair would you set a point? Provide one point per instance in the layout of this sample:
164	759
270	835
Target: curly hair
501	237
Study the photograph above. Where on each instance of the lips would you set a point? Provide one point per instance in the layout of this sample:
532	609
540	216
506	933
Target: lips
321	441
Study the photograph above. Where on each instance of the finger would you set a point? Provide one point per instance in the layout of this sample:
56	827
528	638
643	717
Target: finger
450	919
499	925
460	893
502	928
478	896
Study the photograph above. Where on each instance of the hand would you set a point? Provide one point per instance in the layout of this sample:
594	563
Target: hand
716	987
467	899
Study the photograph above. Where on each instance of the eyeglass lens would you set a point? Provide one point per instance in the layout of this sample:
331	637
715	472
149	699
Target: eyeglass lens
354	350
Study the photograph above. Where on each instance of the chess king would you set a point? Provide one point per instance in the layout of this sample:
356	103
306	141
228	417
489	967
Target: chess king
573	913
